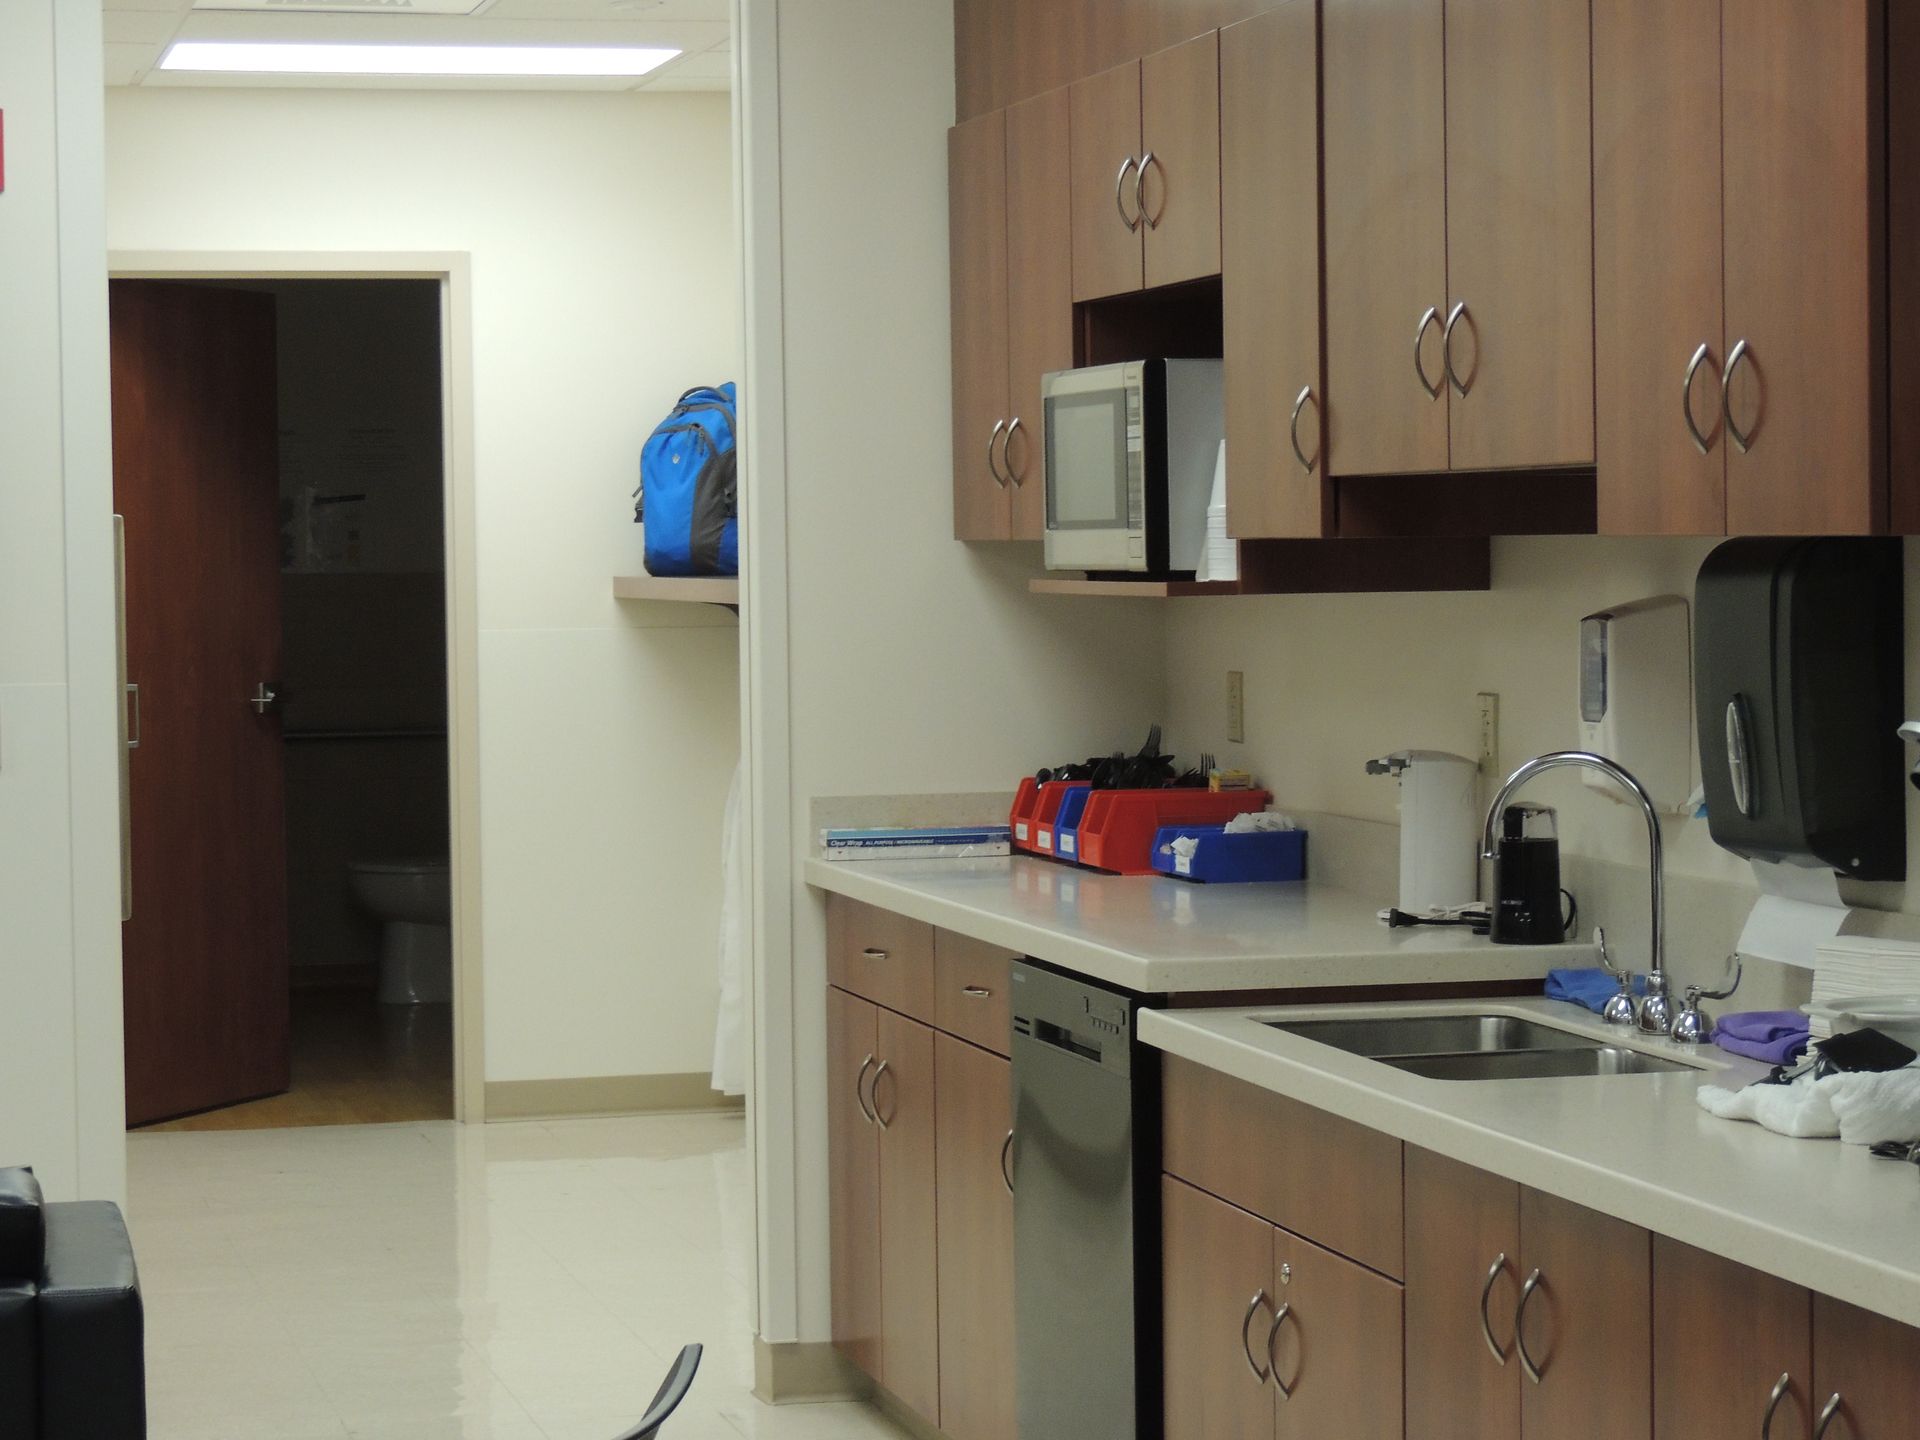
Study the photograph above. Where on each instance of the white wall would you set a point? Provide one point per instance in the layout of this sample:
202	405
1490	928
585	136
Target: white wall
61	1097
908	662
603	281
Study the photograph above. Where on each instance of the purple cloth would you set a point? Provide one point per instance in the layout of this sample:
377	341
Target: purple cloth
1775	1036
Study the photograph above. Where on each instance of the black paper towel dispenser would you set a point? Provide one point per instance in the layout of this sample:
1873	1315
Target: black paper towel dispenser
1799	653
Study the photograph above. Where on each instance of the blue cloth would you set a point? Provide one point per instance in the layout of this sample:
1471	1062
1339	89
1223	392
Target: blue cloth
1775	1036
1591	988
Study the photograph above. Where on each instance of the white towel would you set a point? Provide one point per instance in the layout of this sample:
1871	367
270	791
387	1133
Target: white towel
1861	1109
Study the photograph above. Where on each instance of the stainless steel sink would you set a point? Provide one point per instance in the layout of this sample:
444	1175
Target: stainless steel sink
1477	1047
1534	1064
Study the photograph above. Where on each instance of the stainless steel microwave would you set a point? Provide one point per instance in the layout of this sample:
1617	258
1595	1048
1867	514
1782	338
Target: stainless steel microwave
1131	452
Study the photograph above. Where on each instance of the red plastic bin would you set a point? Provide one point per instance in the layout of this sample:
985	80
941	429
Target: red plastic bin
1034	807
1026	800
1117	830
1052	796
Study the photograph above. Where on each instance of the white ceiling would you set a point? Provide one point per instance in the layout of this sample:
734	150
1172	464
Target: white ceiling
139	31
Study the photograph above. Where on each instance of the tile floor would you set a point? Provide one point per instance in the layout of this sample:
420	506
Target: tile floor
442	1282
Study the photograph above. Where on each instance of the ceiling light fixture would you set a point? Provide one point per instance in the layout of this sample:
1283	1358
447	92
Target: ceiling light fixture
299	58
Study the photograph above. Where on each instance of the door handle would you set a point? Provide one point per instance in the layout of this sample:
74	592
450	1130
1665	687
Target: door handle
860	1092
1014	427
1827	1416
265	696
1419	363
1741	351
1780	1388
1700	357
1486	1326
874	1089
1006	1162
1534	1372
1132	222
1246	1337
134	727
999	428
1280	1318
1140	189
1454	317
1293	429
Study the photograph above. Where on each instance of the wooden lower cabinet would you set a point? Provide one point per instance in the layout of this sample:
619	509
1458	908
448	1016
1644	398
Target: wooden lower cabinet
1867	1369
853	1168
973	1103
1340	1348
1725	1337
1463	1241
1588	1326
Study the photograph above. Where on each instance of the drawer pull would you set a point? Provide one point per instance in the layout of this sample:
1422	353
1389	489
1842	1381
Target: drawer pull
1826	1416
860	1090
1780	1388
873	954
1246	1338
1273	1360
1486	1326
1534	1373
978	992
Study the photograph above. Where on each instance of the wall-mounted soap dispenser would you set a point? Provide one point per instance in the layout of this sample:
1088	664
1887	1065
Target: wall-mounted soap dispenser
1799	650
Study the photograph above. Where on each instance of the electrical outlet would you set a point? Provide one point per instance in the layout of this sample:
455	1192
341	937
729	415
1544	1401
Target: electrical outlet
1489	732
1236	707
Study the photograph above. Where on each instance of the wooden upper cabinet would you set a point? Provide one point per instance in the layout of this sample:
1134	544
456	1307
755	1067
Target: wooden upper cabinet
1039	325
1383	72
1725	1339
902	1097
1872	1365
1180	139
1657	268
1219	1302
977	244
853	1179
1104	137
1270	273
974	1102
1519	233
1804	123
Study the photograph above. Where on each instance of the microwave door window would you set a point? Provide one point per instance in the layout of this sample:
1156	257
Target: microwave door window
1086	462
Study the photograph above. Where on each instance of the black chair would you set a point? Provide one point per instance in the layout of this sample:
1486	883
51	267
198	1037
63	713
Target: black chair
672	1391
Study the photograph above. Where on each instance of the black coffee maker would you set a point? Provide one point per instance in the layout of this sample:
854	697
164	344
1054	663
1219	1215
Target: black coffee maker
1526	879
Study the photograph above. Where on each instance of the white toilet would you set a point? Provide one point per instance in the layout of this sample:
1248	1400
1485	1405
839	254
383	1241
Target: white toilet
414	900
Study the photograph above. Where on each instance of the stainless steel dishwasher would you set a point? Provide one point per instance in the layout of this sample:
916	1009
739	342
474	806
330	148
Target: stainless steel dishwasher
1086	1211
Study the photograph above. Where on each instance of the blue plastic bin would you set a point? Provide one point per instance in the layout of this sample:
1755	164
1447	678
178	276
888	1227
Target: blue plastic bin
1222	858
1066	825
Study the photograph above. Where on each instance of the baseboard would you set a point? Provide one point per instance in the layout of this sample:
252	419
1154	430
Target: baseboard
801	1372
605	1095
897	1410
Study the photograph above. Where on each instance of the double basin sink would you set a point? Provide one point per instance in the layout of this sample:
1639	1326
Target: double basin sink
1477	1047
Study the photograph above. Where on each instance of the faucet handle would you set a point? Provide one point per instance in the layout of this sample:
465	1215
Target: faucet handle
1619	1009
1606	958
1738	968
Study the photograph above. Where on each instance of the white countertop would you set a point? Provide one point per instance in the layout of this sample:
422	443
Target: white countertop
1815	1212
1159	935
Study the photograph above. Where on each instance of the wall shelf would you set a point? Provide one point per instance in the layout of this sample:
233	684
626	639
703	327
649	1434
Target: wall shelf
1313	567
696	589
1138	589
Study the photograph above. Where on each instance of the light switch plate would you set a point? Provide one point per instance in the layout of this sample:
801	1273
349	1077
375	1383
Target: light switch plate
1489	732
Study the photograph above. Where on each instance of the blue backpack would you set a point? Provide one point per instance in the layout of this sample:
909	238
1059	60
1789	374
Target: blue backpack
690	487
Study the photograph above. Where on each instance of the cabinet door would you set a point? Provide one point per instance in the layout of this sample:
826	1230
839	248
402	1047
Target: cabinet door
1724	1336
1270	276
1463	1243
902	1097
1339	1348
1180	130
1520	232
1657	272
1219	1309
974	1104
1588	1325
853	1179
1872	1364
1103	136
1804	126
1383	69
977	242
1039	292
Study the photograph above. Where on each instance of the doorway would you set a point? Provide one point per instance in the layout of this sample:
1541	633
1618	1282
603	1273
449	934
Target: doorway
294	955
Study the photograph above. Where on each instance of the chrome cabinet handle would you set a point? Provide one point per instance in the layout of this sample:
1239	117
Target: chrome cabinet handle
1140	189
1454	317
1006	1162
1006	451
1826	1416
1780	1388
1246	1337
263	698
1293	429
1486	1325
133	734
977	992
1700	357
1273	1361
1419	365
881	1120
1741	352
860	1091
1132	222
873	954
998	427
1534	1372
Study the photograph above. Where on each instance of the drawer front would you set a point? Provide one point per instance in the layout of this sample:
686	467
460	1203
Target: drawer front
1335	1183
881	956
971	980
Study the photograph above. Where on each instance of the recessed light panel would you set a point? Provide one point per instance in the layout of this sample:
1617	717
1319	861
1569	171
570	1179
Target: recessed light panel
351	7
249	57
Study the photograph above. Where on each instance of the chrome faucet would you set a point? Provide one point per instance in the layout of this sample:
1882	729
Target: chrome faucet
1656	1010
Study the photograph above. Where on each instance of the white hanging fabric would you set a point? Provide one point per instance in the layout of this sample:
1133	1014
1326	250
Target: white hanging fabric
731	1036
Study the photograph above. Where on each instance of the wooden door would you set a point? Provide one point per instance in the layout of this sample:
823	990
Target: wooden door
1339	1349
1463	1243
902	1098
973	1098
1657	270
1724	1337
1218	1307
1039	292
1872	1364
1383	70
1803	116
977	243
1588	1326
1270	252
1180	131
1520	232
853	1178
1104	140
195	473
